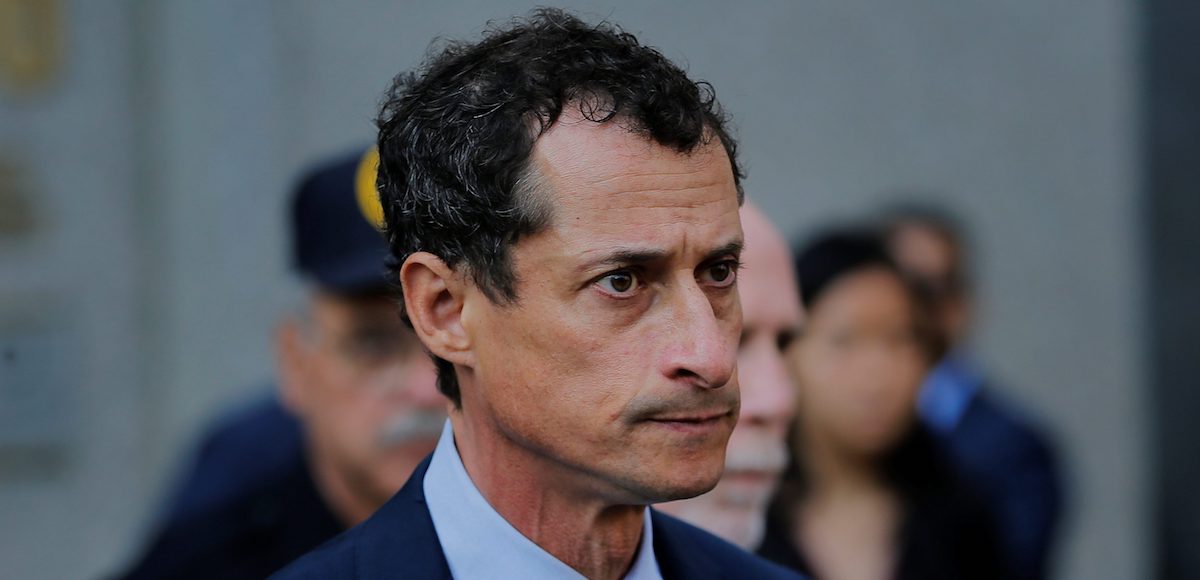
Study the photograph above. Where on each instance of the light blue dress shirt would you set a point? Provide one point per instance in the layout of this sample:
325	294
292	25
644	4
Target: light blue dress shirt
948	391
479	543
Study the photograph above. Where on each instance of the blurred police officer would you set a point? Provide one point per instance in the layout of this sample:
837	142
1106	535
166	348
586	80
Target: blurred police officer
356	409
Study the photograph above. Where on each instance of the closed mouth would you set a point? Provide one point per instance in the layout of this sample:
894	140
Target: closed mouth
698	419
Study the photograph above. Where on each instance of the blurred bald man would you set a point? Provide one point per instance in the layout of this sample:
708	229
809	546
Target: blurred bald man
757	454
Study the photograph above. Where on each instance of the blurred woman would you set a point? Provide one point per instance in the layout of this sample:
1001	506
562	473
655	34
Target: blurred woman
868	495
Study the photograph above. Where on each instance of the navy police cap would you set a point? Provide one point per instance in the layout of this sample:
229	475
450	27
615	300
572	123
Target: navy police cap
336	223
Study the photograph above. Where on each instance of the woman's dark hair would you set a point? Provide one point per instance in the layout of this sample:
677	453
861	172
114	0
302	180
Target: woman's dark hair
837	253
455	137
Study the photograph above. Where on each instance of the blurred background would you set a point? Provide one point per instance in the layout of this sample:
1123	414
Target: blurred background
147	150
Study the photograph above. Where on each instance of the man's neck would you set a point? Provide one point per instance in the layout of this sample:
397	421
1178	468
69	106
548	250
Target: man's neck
548	505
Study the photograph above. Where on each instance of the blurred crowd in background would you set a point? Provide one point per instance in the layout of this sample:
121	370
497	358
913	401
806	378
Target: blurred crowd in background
943	361
870	443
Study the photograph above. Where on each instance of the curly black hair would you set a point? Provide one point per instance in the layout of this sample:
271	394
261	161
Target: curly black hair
456	135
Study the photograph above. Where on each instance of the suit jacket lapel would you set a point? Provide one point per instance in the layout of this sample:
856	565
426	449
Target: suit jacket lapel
677	556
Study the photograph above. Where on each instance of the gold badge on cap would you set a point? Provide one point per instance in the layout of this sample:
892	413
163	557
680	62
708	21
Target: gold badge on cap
364	188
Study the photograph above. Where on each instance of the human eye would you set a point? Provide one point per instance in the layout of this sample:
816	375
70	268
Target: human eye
721	274
373	346
842	339
784	339
619	284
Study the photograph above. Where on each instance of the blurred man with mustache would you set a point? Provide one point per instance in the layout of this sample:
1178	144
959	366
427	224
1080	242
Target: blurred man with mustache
357	406
757	453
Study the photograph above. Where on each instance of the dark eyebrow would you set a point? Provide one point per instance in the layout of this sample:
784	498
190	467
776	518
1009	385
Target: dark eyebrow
625	257
639	256
734	247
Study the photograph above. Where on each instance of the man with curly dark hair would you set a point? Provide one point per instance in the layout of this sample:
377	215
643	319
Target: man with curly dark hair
562	210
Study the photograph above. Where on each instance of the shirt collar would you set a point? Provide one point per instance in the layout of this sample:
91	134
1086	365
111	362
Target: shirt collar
479	543
948	391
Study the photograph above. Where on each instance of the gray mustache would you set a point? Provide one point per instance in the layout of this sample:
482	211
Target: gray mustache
767	456
417	425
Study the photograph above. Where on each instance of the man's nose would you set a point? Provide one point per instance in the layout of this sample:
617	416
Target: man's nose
415	382
701	349
768	394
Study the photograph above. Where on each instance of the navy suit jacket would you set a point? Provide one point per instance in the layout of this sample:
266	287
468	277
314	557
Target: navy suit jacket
399	541
1014	468
246	507
245	448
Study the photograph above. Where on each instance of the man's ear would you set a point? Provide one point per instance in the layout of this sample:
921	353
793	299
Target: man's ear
289	359
434	296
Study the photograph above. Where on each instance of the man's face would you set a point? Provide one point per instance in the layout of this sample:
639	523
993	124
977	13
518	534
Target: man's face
365	392
931	259
757	455
614	371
